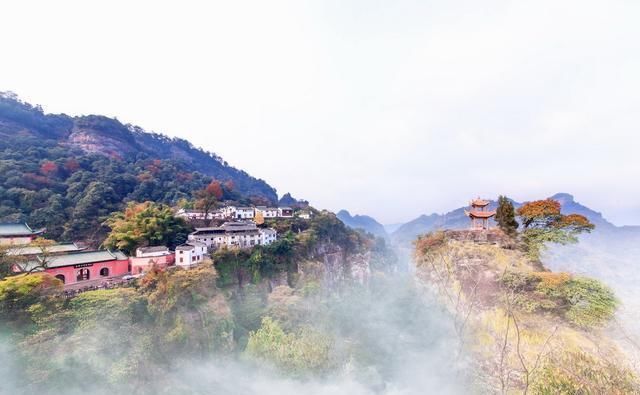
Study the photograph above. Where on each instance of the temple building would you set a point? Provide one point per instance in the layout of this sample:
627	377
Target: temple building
479	214
18	234
80	266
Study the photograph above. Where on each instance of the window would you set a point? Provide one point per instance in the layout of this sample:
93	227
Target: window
181	260
104	272
60	277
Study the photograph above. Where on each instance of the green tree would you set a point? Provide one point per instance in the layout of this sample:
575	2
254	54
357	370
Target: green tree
506	216
142	224
5	262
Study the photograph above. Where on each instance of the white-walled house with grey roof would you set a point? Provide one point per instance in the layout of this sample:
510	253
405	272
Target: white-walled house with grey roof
241	234
190	253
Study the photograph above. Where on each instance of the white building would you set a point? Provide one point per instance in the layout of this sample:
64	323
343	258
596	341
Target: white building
268	236
229	211
199	214
190	253
304	214
285	212
267	212
245	213
150	252
234	234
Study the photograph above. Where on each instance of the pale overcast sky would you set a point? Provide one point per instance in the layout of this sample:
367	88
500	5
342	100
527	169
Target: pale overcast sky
392	109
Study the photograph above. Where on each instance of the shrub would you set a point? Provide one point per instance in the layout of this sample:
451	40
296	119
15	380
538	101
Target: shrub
297	353
580	373
27	294
590	301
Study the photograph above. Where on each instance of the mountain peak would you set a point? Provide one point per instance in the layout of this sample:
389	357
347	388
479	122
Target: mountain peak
563	198
364	222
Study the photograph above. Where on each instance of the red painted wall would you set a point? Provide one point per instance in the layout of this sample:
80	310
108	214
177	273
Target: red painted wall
139	265
116	268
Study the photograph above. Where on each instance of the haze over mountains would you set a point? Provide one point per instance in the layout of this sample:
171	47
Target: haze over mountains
363	222
405	234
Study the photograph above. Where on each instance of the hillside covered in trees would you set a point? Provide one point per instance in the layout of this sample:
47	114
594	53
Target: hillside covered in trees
68	173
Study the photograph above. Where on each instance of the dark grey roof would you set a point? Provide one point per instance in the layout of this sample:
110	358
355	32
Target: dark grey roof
13	229
190	245
35	250
145	250
79	258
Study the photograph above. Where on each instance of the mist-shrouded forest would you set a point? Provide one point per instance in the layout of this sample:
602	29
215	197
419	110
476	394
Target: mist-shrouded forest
538	299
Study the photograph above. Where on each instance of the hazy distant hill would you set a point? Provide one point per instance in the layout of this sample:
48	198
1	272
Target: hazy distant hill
363	222
107	136
456	219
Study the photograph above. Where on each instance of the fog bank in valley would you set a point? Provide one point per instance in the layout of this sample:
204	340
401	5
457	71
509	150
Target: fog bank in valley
389	337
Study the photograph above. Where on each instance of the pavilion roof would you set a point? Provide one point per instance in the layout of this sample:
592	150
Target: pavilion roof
480	214
480	202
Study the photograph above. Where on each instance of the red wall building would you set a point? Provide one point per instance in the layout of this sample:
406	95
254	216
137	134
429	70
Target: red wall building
88	265
144	264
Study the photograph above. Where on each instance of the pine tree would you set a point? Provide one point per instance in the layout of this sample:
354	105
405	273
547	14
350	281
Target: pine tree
506	217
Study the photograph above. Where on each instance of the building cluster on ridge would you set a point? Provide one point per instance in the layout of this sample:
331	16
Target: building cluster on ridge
242	213
78	267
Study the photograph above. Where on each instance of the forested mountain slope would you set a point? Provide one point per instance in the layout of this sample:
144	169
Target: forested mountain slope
67	173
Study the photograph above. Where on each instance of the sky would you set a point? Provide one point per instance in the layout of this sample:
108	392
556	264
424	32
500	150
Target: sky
391	109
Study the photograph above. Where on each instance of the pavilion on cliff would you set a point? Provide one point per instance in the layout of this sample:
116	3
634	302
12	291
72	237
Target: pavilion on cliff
479	214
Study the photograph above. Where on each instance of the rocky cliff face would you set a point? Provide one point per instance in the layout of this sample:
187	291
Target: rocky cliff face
331	266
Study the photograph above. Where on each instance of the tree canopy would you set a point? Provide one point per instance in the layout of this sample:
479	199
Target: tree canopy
506	216
145	224
543	223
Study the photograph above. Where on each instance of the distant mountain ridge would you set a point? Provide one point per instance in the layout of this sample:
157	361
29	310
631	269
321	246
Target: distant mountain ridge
456	219
363	222
107	136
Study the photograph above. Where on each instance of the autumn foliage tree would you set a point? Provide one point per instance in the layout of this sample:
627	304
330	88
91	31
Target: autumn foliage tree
48	168
208	198
543	223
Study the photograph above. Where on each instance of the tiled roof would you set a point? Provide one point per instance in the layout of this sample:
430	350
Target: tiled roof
146	250
481	214
8	229
54	249
190	245
480	202
80	258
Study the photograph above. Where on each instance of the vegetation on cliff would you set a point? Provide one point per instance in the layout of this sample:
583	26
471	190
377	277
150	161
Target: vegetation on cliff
529	330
